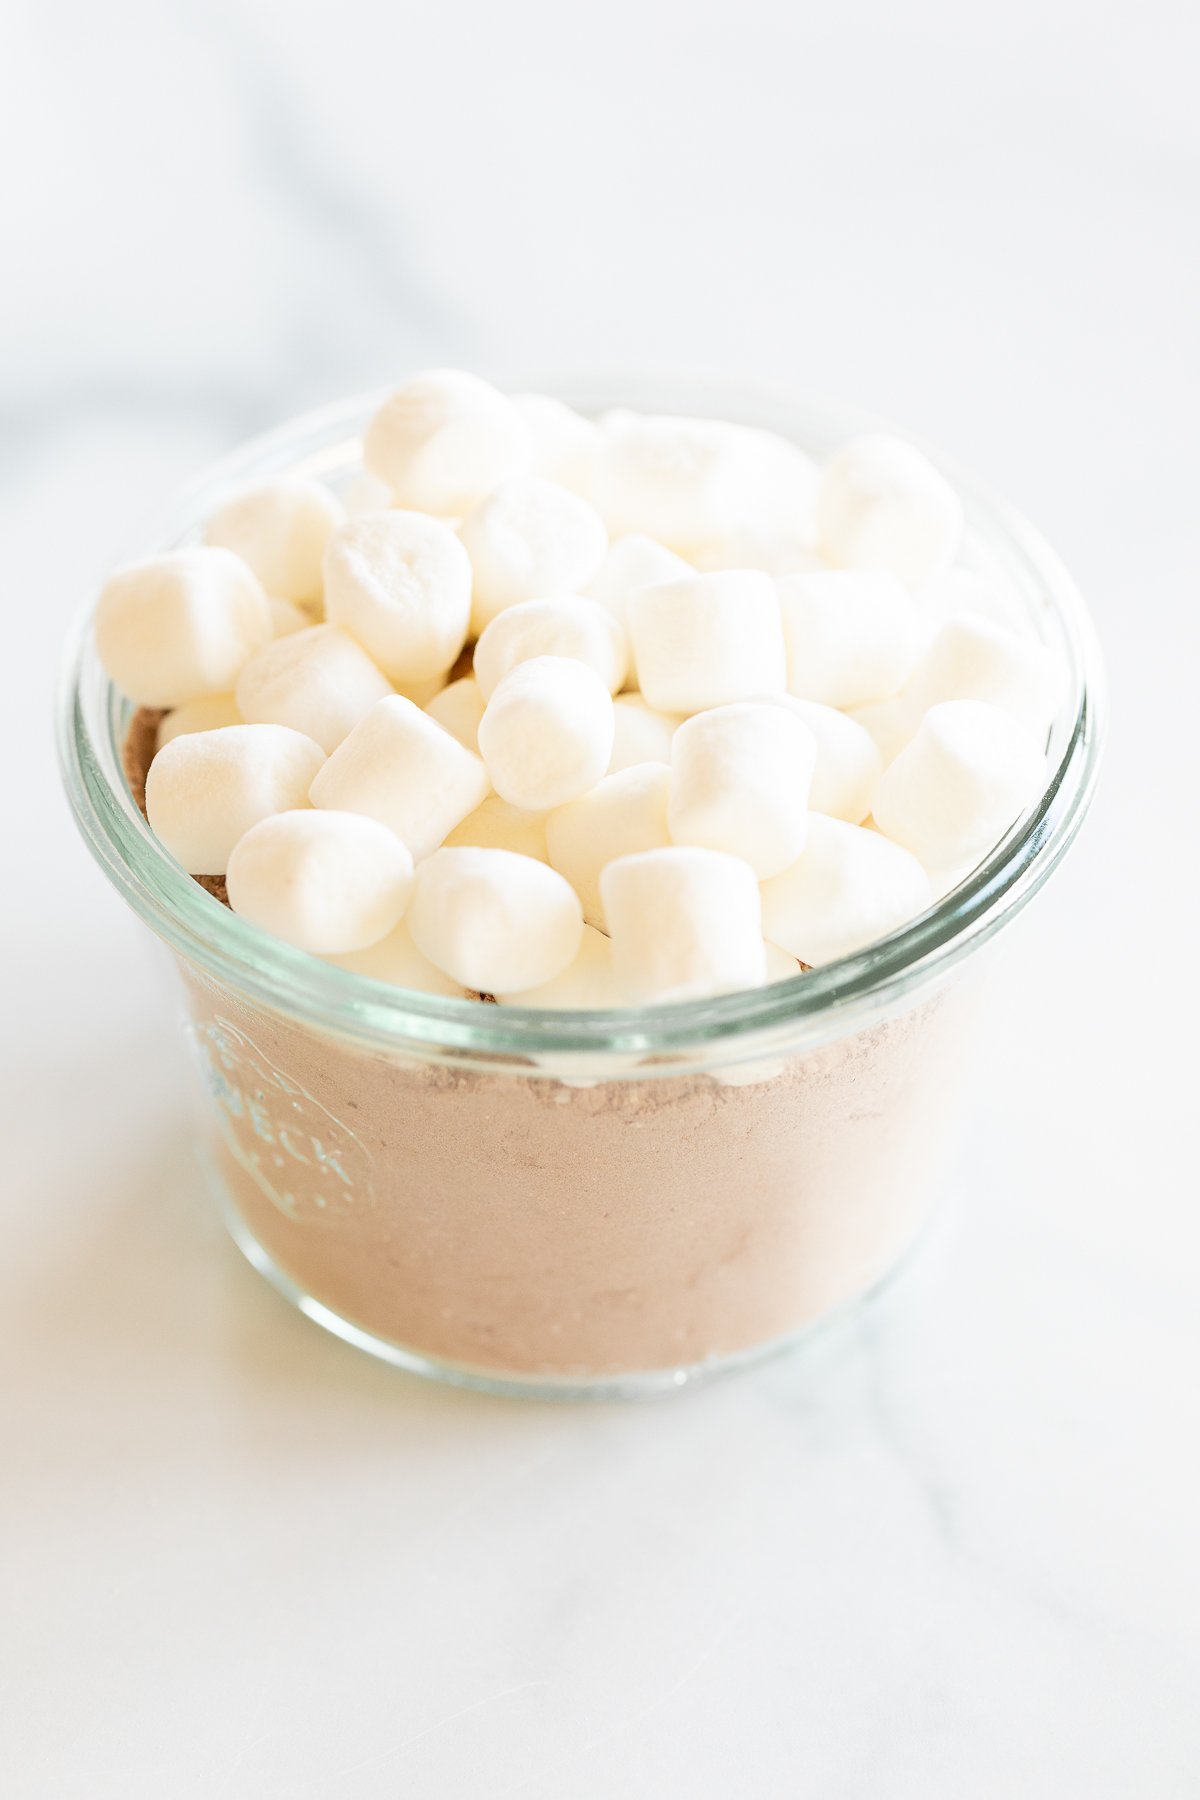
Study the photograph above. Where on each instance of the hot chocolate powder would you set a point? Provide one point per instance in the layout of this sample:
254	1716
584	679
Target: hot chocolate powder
514	1223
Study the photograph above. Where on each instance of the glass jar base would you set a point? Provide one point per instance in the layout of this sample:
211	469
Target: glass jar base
648	1384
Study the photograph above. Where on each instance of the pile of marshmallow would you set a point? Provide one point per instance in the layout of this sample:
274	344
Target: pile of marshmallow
725	712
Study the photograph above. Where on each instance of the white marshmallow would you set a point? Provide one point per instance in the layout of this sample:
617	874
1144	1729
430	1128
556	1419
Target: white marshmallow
280	529
849	887
707	640
965	591
497	922
622	814
495	825
547	733
973	658
396	960
891	724
640	735
848	760
778	481
324	881
676	480
179	627
781	964
739	782
685	923
954	791
850	637
365	493
564	445
581	629
587	984
318	681
690	482
631	562
775	549
198	715
401	584
287	618
530	537
423	691
206	789
443	440
881	505
458	709
400	767
933	601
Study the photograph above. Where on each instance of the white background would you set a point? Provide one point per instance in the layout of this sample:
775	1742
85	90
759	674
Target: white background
954	1552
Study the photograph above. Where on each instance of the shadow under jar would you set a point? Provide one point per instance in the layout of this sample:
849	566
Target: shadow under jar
581	1203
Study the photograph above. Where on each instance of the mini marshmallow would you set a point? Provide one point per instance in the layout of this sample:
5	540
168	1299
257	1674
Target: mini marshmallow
396	960
640	735
280	529
318	681
685	923
198	715
740	777
850	637
529	537
287	618
179	627
676	480
401	584
777	483
624	813
695	483
365	493
781	964
206	789
882	506
848	760
951	793
581	629
588	984
707	640
564	445
966	591
497	922
423	691
328	882
631	562
495	825
398	766
458	709
443	440
973	658
775	549
849	887
547	733
890	723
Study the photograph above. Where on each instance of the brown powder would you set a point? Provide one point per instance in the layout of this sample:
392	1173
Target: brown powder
512	1222
137	752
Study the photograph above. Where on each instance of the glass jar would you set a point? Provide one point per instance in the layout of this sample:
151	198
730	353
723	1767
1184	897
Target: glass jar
580	1203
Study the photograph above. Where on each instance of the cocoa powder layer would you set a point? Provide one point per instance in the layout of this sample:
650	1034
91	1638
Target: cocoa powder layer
513	1223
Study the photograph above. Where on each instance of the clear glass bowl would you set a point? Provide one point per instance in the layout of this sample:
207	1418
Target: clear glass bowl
580	1203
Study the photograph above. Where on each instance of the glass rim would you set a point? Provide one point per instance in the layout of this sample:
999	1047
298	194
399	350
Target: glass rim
827	1000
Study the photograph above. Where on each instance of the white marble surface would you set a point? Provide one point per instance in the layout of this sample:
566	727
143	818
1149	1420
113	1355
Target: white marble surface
954	1552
